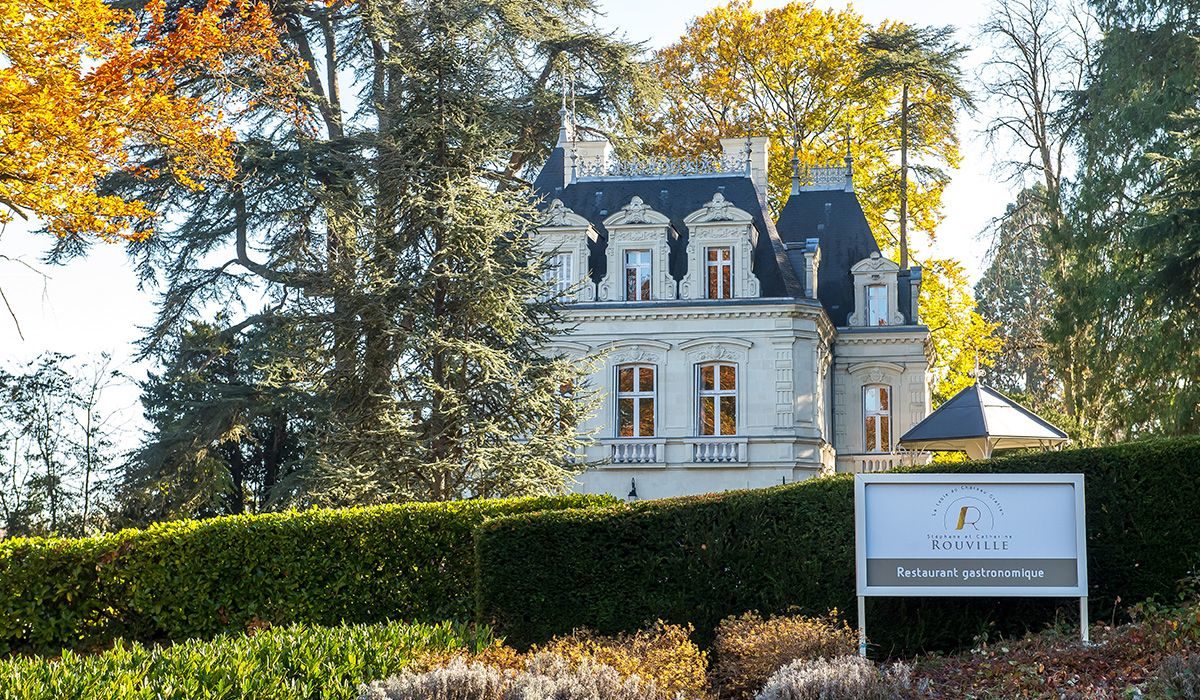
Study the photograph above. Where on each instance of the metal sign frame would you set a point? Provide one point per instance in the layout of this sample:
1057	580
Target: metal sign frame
861	481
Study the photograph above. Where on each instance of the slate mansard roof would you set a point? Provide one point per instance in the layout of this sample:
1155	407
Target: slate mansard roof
833	216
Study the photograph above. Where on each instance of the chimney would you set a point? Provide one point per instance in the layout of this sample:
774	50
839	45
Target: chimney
812	262
736	148
914	287
589	153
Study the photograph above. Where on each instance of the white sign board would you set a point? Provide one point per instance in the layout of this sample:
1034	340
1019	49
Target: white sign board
970	535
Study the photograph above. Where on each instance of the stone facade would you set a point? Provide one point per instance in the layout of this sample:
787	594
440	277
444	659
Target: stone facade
729	350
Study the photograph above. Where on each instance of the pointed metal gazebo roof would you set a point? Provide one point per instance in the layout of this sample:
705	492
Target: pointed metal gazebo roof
978	420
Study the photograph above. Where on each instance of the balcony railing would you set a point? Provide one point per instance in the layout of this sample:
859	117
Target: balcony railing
718	450
635	451
878	462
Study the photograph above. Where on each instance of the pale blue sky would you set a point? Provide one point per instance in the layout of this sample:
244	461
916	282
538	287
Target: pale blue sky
93	305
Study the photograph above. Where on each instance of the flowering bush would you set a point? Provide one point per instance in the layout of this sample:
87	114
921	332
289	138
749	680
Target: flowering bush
840	678
749	648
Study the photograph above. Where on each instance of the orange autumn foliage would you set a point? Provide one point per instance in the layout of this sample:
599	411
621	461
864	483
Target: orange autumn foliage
84	86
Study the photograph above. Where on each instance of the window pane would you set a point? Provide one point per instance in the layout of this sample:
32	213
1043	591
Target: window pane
885	438
713	279
646	417
625	417
871	399
883	399
631	287
877	305
645	287
728	415
707	426
727	282
728	377
872	440
645	379
625	379
706	378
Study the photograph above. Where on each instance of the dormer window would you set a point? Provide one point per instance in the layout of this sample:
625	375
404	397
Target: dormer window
559	274
877	305
720	252
876	301
638	267
718	268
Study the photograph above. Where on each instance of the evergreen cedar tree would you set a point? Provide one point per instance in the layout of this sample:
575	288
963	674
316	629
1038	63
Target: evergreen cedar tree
394	349
818	82
88	91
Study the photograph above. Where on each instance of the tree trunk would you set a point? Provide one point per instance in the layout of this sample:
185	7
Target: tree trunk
904	177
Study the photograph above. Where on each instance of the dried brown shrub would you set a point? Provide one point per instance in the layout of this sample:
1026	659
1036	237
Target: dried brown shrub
664	654
749	648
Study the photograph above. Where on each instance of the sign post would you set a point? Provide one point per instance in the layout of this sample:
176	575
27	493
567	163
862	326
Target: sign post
978	535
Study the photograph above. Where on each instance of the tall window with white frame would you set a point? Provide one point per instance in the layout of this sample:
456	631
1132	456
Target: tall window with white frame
718	269
635	400
877	305
559	274
717	400
637	275
877	418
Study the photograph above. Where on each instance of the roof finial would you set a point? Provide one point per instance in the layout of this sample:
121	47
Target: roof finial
849	164
563	131
795	164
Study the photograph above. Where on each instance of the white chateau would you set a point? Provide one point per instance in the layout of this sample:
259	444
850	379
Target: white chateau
733	351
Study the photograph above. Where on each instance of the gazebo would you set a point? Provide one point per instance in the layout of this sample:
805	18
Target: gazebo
979	420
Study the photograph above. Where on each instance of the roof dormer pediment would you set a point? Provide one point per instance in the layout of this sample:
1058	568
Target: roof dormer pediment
875	263
719	210
637	213
559	215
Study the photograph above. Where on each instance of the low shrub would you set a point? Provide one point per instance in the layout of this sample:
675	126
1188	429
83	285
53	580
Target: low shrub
196	578
663	653
748	648
839	678
544	676
701	559
285	663
1178	678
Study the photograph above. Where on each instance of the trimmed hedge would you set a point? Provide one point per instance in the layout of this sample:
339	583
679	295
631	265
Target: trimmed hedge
288	663
791	548
196	578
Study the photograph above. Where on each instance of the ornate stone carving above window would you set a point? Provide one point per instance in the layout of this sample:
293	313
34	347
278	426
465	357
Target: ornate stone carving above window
720	252
876	308
559	214
638	227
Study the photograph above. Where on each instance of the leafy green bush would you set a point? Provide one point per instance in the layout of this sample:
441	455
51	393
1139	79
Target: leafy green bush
700	559
196	578
286	663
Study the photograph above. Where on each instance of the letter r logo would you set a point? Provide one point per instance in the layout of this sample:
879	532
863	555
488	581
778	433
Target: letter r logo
964	513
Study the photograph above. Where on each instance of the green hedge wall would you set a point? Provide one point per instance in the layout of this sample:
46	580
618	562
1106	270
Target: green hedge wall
701	559
196	578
